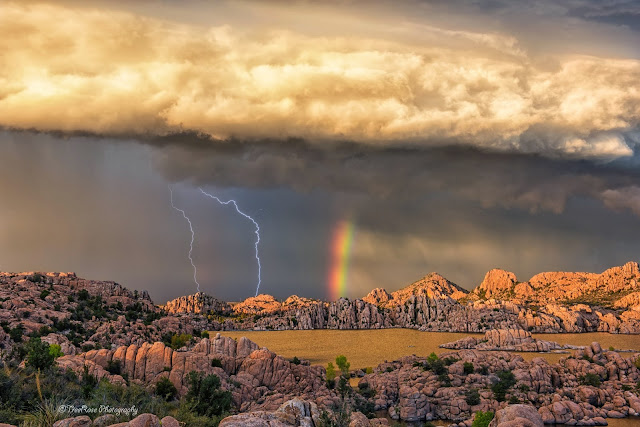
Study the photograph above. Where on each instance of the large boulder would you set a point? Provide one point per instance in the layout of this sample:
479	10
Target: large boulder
517	416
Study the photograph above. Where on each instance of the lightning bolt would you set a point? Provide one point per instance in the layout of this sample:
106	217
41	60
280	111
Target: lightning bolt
249	218
195	271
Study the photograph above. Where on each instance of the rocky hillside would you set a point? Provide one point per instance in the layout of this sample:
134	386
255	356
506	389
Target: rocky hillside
603	289
80	314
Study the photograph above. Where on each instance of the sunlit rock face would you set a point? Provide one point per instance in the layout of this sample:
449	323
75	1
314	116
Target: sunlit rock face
196	303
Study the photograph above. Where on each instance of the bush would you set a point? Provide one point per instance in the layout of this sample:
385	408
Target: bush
590	379
44	294
55	351
295	360
472	396
468	368
38	355
16	333
506	380
445	380
166	389
204	334
83	295
179	341
205	395
216	363
482	419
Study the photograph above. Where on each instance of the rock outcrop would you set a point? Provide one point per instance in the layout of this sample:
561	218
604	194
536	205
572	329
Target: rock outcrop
199	302
257	378
517	416
507	340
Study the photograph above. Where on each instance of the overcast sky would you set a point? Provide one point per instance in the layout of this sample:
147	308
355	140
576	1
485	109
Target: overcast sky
455	136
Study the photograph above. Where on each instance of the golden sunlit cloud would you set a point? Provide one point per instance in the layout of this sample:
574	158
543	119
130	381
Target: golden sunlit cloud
114	73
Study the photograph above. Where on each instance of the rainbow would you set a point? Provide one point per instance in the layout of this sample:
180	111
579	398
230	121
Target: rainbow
341	243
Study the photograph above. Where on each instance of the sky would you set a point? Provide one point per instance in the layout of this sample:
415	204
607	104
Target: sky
450	136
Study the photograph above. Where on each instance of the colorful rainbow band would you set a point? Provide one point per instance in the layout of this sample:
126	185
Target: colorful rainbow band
341	243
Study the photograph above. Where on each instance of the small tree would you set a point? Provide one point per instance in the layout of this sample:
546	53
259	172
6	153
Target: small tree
38	355
343	365
331	372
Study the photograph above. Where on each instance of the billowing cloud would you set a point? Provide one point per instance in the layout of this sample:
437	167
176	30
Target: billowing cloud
114	73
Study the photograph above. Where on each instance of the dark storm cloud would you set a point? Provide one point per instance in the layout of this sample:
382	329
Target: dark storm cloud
528	182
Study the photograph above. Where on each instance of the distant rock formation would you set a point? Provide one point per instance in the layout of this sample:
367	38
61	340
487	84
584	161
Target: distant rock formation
507	340
199	302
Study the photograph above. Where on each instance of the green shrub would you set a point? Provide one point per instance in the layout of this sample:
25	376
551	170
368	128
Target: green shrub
55	351
506	380
472	396
295	360
590	379
44	294
216	363
468	368
204	334
179	341
166	389
206	396
482	419
83	295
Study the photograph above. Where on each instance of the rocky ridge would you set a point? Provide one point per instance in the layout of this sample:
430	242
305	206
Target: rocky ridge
563	304
508	340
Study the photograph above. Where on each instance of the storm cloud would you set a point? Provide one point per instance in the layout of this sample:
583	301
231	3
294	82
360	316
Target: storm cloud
456	137
115	73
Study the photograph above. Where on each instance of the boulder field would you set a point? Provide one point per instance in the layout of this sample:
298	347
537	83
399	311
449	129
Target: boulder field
583	389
